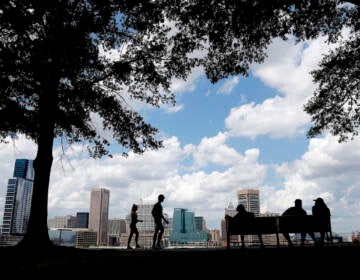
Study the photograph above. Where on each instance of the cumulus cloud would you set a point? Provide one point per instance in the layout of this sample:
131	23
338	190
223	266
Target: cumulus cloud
274	117
179	86
213	150
328	169
228	86
287	70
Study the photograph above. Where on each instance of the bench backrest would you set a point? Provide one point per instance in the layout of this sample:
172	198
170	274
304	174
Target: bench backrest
267	225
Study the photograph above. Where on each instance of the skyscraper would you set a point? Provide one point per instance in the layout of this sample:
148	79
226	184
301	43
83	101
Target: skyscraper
250	199
184	231
18	198
99	214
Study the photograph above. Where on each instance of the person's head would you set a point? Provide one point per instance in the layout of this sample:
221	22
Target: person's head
241	208
161	197
298	203
134	207
319	201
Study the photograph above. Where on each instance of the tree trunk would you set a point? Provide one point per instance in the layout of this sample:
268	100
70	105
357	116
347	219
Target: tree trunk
37	232
37	236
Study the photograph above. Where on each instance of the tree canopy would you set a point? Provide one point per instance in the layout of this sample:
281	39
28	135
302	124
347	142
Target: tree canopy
55	80
335	105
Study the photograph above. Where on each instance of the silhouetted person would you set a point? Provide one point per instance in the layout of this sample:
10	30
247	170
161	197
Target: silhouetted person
247	218
133	229
296	210
321	214
157	213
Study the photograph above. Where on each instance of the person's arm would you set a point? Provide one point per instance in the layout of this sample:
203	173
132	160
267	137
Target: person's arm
162	216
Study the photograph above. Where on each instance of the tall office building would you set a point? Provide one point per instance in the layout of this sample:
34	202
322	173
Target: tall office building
184	230
200	223
18	198
82	219
99	214
250	199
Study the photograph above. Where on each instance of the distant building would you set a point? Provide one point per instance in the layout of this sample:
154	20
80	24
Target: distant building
116	227
18	198
184	231
200	224
73	237
99	213
60	221
250	199
82	219
215	237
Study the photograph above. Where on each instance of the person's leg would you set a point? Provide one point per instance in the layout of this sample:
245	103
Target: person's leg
137	239
154	239
155	235
129	239
322	238
161	231
312	235
261	240
287	237
303	235
242	241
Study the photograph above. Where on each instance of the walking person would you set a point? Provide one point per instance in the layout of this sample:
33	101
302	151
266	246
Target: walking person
133	228
157	213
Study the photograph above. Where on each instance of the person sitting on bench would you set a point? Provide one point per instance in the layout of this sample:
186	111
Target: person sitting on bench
296	210
244	217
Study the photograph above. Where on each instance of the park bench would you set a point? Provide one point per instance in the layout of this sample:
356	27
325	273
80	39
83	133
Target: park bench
275	225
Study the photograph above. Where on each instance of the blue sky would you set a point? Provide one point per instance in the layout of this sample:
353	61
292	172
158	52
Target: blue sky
219	138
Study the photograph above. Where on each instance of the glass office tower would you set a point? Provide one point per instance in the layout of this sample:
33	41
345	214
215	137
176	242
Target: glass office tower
18	198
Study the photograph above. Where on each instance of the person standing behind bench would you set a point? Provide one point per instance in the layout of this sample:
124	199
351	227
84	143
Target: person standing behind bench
296	210
321	215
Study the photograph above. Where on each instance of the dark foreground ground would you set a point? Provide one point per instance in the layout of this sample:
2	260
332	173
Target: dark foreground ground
284	263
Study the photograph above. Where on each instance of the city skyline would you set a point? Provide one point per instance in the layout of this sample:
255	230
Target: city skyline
239	133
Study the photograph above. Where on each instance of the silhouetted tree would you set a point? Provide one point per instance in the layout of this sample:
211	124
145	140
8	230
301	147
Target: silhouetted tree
54	82
336	102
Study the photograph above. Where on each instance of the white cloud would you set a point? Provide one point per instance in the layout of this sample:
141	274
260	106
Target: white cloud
174	109
287	70
214	150
274	117
179	86
329	170
228	86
